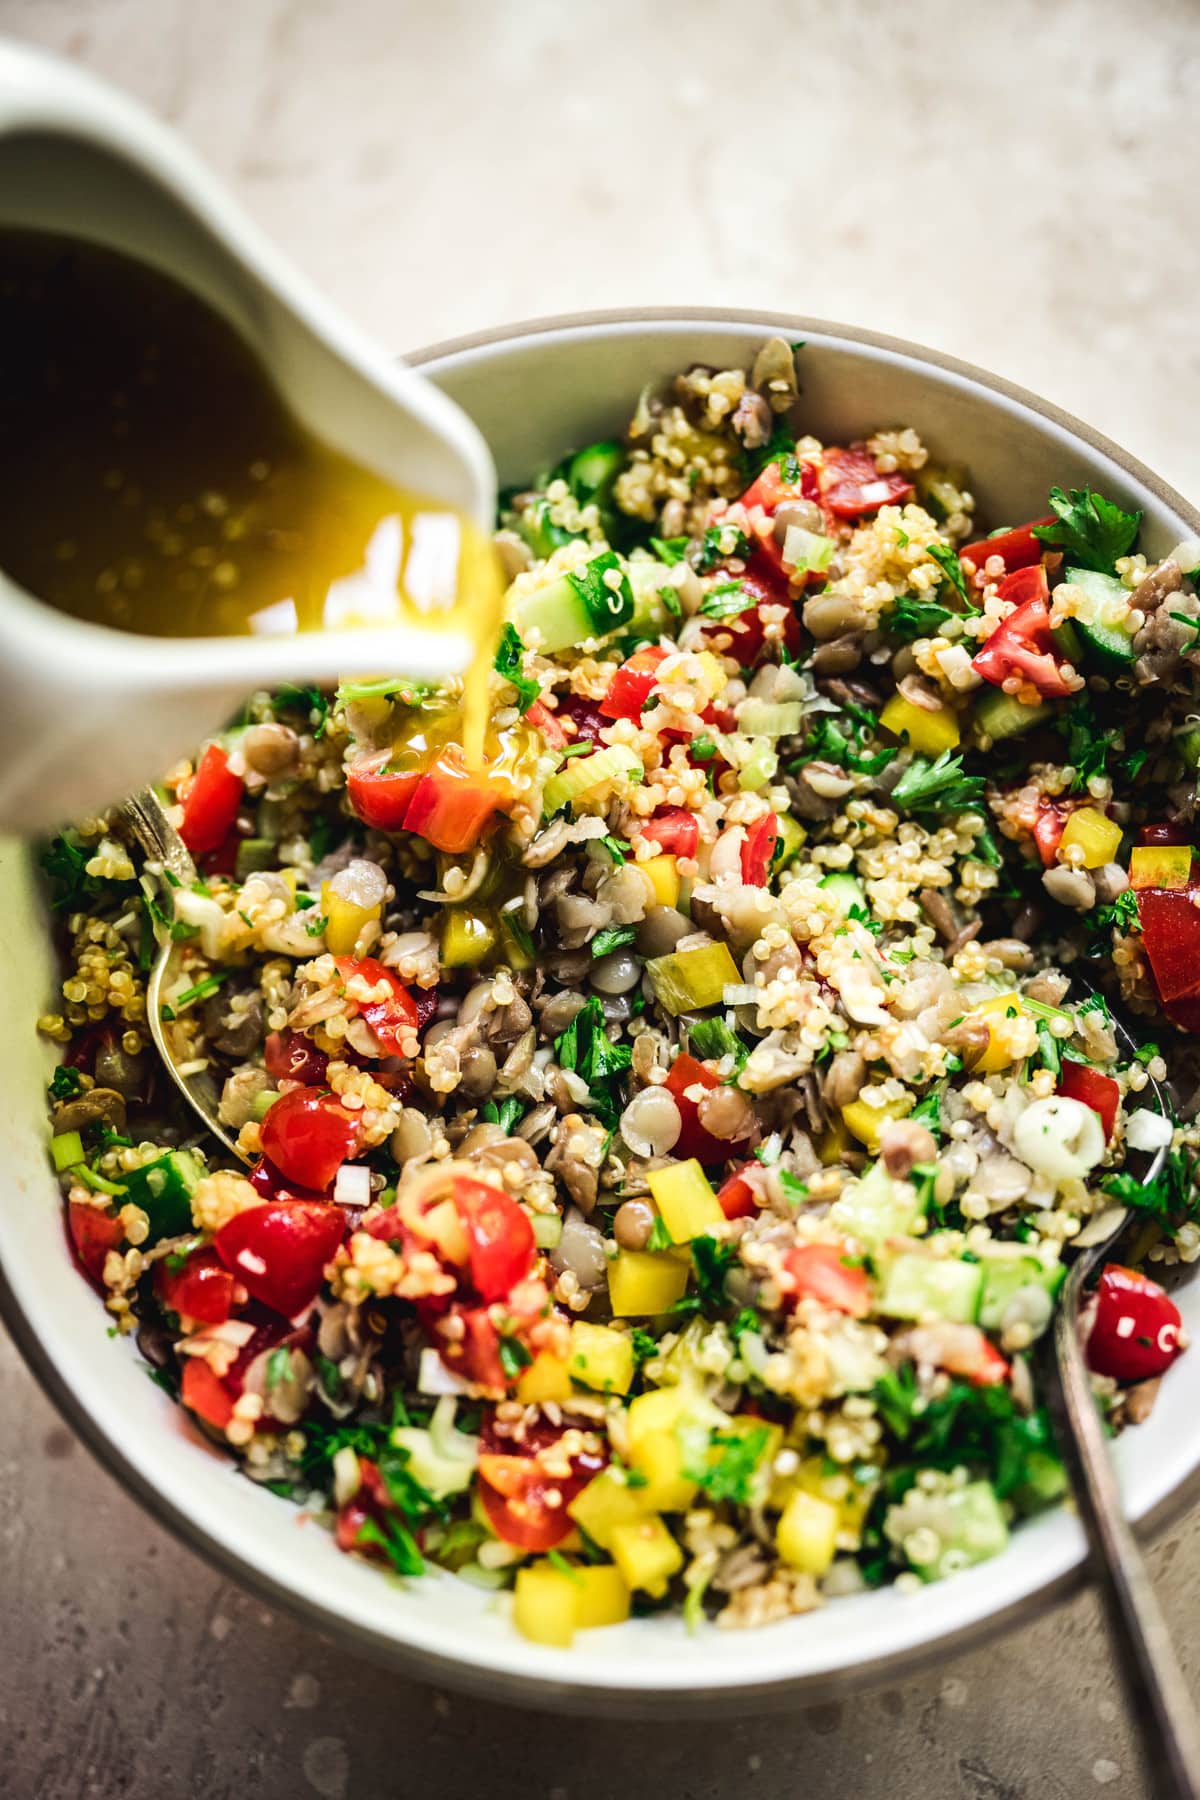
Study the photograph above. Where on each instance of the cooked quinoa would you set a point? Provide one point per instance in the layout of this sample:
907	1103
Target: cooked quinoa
660	1145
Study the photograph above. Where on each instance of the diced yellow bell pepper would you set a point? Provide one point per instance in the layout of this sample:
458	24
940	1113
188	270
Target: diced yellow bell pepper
1005	1045
344	920
792	838
607	1501
833	1142
546	1605
685	1199
689	980
1091	831
1160	866
840	1488
927	732
546	1378
603	1595
657	1410
807	1534
659	1456
646	1554
662	872
642	1283
866	1122
467	937
601	1358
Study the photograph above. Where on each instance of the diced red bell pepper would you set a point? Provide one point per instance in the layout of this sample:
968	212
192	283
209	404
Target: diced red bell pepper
380	796
852	486
758	850
290	1056
278	1251
210	802
1171	936
1184	1012
394	1020
629	689
1017	549
452	806
500	1236
526	1506
1135	1333
93	1234
736	1197
1048	827
822	1272
202	1289
543	720
308	1137
694	1140
1021	644
675	830
770	486
205	1394
1078	1081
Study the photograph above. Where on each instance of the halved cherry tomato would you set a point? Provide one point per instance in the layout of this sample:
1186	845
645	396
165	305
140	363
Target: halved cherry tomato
526	1506
1087	1085
379	795
394	1020
204	1393
279	1250
453	805
1135	1334
736	1198
202	1289
821	1272
210	802
308	1136
1021	644
1017	549
629	689
758	850
694	1139
500	1236
93	1234
851	485
674	829
543	720
290	1056
1171	936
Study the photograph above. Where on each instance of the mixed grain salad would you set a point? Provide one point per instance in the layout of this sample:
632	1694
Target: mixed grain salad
661	1142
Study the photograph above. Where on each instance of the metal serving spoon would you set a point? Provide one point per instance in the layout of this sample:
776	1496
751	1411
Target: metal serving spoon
1156	1693
166	851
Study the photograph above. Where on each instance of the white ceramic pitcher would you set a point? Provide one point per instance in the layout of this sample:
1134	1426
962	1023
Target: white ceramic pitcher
87	713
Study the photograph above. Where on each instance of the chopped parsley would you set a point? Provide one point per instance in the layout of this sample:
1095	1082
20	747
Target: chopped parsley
712	1039
660	1238
703	748
1092	531
201	991
669	550
506	1113
509	664
947	561
1088	744
64	863
843	740
1173	1197
711	551
644	1346
586	1049
725	601
711	1262
1121	915
911	617
940	786
279	1367
65	1083
308	700
513	1356
617	848
794	1191
613	937
727	1471
979	1427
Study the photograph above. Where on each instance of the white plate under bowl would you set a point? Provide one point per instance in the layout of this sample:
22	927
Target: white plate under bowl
536	390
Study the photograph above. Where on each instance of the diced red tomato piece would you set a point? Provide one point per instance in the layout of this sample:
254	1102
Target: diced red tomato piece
1017	549
202	1289
1048	827
629	689
500	1236
675	830
543	720
1171	936
210	802
736	1197
526	1506
205	1393
694	1140
266	1180
1135	1334
822	1272
348	1529
758	850
452	806
748	630
1021	644
93	1234
992	1368
476	1355
379	795
308	1137
851	485
1080	1082
394	1020
279	1250
290	1056
769	487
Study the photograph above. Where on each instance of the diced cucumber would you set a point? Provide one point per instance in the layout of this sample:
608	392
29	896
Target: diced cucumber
1188	745
253	855
960	1525
1000	715
556	614
592	471
876	1208
1103	634
919	1286
791	841
845	893
651	614
1067	638
163	1189
540	532
1006	1277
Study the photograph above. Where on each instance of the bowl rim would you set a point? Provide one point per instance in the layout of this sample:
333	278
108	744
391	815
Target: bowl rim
576	1691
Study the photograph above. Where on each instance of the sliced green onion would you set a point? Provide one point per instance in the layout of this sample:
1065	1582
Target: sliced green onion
67	1149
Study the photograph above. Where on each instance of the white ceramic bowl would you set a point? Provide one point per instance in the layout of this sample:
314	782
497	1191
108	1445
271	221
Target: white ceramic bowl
535	390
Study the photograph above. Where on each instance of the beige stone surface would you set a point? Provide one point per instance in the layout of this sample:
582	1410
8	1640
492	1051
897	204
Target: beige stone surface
1015	183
